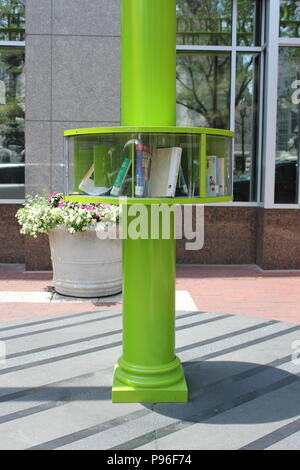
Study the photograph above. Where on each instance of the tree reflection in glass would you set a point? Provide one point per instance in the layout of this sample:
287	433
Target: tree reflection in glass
204	22
203	89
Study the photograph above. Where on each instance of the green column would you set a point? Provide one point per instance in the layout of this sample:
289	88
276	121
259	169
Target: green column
148	370
148	64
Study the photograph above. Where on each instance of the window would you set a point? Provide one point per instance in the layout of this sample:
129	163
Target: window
203	90
249	13
219	59
288	125
12	20
246	119
203	23
289	18
12	100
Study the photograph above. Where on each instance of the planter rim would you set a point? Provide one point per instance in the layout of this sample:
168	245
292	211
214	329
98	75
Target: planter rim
92	228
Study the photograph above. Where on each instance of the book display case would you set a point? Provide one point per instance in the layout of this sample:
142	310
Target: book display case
151	162
172	165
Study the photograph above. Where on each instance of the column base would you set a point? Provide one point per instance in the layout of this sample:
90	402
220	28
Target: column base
150	388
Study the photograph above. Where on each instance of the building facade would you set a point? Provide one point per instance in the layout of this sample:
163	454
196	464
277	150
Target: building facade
238	68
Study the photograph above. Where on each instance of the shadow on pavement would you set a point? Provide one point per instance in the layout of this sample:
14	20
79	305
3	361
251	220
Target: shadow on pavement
229	392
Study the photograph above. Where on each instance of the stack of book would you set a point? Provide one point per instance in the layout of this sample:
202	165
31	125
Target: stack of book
155	174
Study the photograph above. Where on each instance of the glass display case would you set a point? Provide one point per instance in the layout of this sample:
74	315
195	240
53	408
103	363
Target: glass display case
153	164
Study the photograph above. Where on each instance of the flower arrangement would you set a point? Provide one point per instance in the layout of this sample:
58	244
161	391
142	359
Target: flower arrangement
40	214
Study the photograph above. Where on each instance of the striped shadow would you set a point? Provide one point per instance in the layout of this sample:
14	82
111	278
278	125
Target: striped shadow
50	360
276	436
56	319
60	393
206	414
70	324
26	392
104	335
183	423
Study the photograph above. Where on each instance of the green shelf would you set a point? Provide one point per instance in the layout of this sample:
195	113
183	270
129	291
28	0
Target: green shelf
94	157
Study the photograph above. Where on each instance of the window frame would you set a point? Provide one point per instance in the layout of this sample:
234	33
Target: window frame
233	49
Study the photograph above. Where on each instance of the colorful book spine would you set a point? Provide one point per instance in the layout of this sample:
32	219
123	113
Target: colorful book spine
139	185
146	170
119	181
183	184
221	176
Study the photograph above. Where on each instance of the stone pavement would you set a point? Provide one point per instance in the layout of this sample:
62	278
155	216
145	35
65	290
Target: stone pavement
236	331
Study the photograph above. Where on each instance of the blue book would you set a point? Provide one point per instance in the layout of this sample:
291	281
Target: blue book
139	184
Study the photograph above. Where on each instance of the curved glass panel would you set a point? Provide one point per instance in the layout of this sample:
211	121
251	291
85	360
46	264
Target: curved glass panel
148	165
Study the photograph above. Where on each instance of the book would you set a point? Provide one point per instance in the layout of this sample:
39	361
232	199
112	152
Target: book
83	159
87	184
165	164
141	169
181	187
146	164
183	182
211	176
121	176
221	176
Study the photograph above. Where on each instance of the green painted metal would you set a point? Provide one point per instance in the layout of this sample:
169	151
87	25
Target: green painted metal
147	201
147	129
148	65
148	369
203	167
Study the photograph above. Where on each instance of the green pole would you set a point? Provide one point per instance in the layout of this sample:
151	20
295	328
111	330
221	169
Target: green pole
148	370
148	64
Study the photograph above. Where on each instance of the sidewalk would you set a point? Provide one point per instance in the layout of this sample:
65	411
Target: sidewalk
236	328
234	290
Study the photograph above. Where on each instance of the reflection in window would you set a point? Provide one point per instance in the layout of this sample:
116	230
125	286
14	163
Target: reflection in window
246	110
288	125
204	22
248	22
12	86
290	18
203	90
12	20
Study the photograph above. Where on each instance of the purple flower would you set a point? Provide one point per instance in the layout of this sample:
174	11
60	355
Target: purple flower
89	208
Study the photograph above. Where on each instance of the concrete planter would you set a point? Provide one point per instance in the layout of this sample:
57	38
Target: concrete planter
84	265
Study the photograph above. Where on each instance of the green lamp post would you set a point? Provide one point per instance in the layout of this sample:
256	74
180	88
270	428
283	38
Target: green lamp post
148	370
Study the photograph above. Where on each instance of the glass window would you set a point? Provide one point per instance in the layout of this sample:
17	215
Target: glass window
203	90
248	22
12	20
204	87
288	125
204	22
12	153
289	18
246	113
